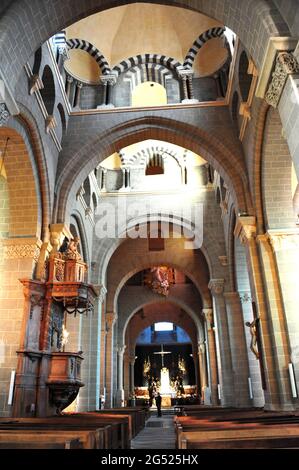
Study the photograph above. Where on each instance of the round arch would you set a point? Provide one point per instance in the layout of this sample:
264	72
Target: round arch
57	15
195	319
226	162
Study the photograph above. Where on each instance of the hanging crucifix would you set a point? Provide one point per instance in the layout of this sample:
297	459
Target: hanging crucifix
162	354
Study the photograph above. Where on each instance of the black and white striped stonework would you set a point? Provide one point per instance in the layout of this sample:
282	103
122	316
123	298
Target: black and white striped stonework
60	39
200	41
148	73
140	59
92	50
150	156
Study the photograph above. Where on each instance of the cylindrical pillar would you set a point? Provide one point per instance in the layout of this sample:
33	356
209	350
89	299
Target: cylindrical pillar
208	315
225	362
238	349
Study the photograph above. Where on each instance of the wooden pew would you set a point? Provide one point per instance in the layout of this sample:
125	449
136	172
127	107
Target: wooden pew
87	439
270	432
112	428
271	442
9	442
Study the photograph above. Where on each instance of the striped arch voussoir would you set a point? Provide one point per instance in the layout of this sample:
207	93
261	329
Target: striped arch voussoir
91	50
148	72
151	156
166	61
200	41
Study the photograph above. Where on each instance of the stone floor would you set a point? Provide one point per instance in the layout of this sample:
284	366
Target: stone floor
157	434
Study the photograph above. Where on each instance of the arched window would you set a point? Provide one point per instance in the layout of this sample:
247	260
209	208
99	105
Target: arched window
155	165
48	92
94	201
62	117
37	61
87	192
244	77
235	107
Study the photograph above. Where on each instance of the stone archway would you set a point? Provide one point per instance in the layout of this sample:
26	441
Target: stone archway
224	155
48	18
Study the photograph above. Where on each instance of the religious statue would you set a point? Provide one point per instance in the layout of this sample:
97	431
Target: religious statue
253	331
72	250
159	280
146	367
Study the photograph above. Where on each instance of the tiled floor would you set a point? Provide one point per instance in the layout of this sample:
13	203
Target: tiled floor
157	434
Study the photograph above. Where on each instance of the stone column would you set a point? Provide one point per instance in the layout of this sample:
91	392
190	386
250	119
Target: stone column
208	315
225	362
285	244
79	87
238	349
202	369
120	376
188	95
124	171
266	295
111	318
68	86
104	180
132	381
108	81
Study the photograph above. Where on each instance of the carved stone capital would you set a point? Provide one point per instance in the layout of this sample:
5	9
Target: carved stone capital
108	79
201	347
223	260
110	318
245	228
208	315
35	84
121	350
216	286
102	293
4	114
245	110
285	240
185	74
286	64
50	123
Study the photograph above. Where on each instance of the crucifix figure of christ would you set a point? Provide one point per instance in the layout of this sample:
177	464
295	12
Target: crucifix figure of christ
162	354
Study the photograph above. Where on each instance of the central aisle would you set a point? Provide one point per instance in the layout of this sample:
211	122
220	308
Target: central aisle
158	434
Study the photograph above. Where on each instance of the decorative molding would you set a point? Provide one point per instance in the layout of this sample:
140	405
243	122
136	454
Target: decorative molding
245	228
275	45
286	64
21	251
216	286
4	114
